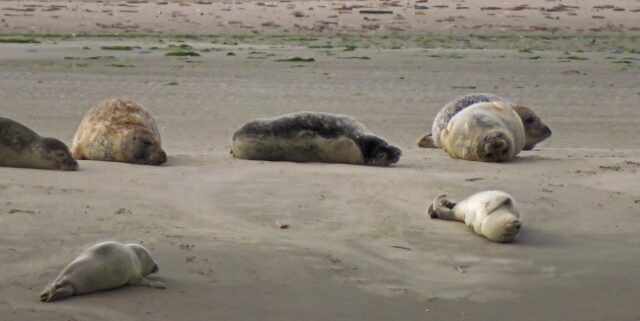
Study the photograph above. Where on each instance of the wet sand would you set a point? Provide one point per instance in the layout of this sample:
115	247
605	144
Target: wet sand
326	17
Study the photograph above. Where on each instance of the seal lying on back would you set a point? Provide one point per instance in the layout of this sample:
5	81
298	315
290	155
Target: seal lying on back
22	147
488	132
104	266
492	214
312	137
119	130
535	130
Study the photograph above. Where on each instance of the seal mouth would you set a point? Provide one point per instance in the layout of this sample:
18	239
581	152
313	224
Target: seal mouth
155	159
545	134
72	166
395	155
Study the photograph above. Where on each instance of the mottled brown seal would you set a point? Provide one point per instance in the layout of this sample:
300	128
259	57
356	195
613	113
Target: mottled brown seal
22	147
492	214
104	266
535	130
312	137
119	130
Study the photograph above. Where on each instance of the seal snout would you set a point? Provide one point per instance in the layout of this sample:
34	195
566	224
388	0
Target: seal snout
73	166
161	158
394	154
67	164
511	230
153	159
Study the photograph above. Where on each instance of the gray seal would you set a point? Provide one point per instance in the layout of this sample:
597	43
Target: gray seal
22	147
312	137
104	266
535	130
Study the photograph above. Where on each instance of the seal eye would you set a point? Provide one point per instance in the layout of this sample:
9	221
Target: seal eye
529	120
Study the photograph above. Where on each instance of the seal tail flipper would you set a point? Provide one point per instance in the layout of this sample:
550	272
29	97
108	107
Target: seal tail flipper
494	147
142	281
426	141
56	292
442	208
431	212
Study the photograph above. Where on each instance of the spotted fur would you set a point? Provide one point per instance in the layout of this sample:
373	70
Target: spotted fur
121	131
535	130
312	137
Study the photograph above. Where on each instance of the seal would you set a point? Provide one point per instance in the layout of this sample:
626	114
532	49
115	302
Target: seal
312	137
488	132
119	130
492	214
22	147
535	130
104	266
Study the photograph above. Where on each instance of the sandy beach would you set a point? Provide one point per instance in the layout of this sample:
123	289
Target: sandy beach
359	244
327	17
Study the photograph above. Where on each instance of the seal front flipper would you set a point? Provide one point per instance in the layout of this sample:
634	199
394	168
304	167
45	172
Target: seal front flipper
142	281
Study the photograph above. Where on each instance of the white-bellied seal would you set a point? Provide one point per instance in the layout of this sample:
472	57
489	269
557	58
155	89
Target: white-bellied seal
492	214
104	266
312	137
119	130
22	147
535	130
488	132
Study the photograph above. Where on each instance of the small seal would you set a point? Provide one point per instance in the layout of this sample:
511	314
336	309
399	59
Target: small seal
104	266
120	131
488	132
535	130
492	214
22	147
312	137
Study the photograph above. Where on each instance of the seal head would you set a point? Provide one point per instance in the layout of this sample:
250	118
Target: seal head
535	130
377	152
55	153
147	263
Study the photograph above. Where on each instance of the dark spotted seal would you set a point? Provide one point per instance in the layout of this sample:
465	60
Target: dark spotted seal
119	130
104	266
312	137
22	147
535	130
